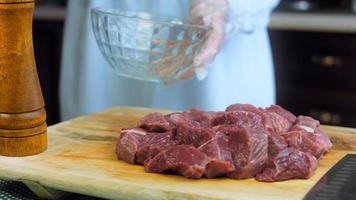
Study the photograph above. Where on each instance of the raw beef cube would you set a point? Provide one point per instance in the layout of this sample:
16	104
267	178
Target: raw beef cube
128	143
242	107
204	118
154	122
152	144
241	119
305	123
276	143
226	129
306	135
321	138
178	117
183	159
241	142
217	147
315	143
265	118
218	150
249	149
289	163
217	168
282	112
172	121
190	132
279	123
173	118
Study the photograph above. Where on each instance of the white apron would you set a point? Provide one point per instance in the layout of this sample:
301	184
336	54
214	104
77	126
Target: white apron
242	71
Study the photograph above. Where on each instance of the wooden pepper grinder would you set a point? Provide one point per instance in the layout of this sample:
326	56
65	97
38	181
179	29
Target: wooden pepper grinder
23	129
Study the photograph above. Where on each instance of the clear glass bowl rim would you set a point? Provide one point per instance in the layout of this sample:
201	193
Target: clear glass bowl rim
121	13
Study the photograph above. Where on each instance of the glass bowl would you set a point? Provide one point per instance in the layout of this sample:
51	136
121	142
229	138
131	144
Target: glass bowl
145	46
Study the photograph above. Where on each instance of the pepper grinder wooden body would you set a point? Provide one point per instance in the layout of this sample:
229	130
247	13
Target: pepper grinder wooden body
23	129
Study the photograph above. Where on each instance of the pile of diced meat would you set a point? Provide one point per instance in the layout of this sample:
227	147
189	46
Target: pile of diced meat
269	144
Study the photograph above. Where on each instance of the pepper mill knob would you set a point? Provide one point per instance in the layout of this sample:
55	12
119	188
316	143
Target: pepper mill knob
23	129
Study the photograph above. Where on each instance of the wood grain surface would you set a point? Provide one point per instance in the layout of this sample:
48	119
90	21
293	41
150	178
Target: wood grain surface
81	158
22	114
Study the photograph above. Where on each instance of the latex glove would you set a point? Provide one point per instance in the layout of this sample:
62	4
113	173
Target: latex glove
212	13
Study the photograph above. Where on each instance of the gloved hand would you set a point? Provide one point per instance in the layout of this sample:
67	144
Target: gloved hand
212	13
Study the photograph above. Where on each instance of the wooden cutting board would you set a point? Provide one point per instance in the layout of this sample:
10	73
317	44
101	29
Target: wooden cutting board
81	158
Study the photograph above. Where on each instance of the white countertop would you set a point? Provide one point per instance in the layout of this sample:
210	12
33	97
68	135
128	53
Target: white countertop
345	23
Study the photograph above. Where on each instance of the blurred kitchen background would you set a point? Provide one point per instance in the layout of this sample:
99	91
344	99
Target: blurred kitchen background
313	44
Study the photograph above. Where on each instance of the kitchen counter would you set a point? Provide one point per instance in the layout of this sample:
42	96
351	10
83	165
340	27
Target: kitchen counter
322	22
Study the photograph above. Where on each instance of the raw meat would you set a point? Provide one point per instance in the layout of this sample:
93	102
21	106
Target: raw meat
243	141
307	136
281	119
219	151
282	112
288	164
154	122
191	132
264	118
322	139
305	123
128	144
226	129
276	143
249	150
193	135
183	159
315	143
278	123
152	144
240	119
203	118
242	107
274	118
